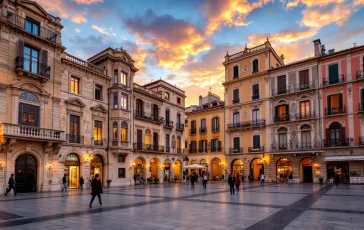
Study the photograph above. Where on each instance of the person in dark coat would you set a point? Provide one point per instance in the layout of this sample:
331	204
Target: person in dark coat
96	189
193	179
64	181
11	184
231	182
337	179
82	181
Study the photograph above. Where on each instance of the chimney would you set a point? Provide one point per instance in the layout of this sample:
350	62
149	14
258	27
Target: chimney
200	100
317	46
323	50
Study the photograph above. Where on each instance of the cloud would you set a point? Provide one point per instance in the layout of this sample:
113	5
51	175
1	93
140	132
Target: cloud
171	77
77	30
313	3
78	18
103	30
88	2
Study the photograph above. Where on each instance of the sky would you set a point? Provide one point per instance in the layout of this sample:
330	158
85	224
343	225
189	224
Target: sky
184	41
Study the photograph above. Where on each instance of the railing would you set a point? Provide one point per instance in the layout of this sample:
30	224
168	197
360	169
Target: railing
216	149
121	86
281	90
215	129
336	143
361	140
205	150
256	149
305	116
193	131
148	91
81	62
246	51
360	107
333	111
281	118
149	147
32	67
333	80
308	145
236	101
359	74
31	132
75	139
148	116
168	124
42	32
203	130
255	97
192	150
99	142
167	149
116	143
180	126
247	124
235	150
180	150
304	86
280	146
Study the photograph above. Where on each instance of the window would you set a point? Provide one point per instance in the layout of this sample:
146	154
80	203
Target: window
28	115
282	140
333	74
193	147
305	109
98	133
203	124
281	83
147	137
167	143
255	92
115	76
179	121
98	92
282	113
215	124
304	79
31	60
193	127
75	85
123	78
306	139
155	112
167	117
139	139
121	158
32	26
236	144
236	98
203	146
115	130
178	142
124	132
255	116
236	119
166	95
121	172
115	100
74	129
335	104
236	72
123	101
178	100
215	145
139	107
255	66
155	140
361	104
256	142
335	135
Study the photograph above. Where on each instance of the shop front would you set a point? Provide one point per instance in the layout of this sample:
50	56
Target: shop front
72	170
284	168
350	169
256	168
237	167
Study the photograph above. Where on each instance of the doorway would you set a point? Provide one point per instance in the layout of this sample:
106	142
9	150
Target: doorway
72	169
97	167
307	174
26	173
256	169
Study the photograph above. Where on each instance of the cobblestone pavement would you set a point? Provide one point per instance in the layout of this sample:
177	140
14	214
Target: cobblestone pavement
176	206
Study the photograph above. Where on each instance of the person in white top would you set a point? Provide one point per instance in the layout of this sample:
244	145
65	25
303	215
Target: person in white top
204	182
262	179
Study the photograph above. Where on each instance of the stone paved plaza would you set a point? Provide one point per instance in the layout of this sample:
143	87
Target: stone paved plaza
176	206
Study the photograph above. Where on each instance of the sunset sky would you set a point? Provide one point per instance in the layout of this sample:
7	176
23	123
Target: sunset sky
184	42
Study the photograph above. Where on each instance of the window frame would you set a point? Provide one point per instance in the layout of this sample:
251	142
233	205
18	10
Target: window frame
101	88
74	78
32	23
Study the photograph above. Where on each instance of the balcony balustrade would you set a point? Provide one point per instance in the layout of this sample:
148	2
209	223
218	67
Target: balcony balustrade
328	143
180	151
180	126
304	116
360	74
281	90
305	86
168	124
148	147
281	118
33	67
334	111
247	124
148	117
23	131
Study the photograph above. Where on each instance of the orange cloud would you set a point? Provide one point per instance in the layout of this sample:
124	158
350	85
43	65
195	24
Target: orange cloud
339	14
103	30
313	3
77	30
78	19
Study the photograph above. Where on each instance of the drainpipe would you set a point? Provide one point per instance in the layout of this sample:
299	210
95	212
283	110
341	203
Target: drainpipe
108	133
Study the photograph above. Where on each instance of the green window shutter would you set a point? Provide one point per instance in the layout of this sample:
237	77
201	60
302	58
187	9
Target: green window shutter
333	74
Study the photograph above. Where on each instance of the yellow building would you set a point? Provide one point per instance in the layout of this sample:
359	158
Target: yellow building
204	131
246	107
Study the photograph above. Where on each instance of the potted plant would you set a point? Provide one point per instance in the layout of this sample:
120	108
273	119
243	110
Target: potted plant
108	181
321	180
156	180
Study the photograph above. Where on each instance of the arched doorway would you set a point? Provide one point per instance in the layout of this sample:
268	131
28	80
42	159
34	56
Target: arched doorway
26	173
203	162
72	170
177	168
216	169
284	168
237	167
139	169
167	170
256	168
154	166
306	170
97	166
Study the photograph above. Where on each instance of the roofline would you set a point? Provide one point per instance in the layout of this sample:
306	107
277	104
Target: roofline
99	53
342	51
154	82
293	64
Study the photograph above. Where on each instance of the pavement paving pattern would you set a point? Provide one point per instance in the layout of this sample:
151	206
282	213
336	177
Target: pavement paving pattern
177	206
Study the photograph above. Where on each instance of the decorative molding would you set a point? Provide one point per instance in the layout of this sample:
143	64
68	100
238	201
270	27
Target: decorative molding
3	87
76	102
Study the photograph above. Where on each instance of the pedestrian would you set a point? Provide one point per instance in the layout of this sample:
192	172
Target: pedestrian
193	178
135	178
141	179
337	179
204	181
242	179
250	177
262	179
237	182
64	181
290	179
149	180
11	184
82	181
231	182
175	179
96	189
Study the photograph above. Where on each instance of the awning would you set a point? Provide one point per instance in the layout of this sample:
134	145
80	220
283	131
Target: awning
344	158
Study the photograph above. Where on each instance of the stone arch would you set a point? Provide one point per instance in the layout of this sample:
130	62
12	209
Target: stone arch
284	166
62	159
216	169
31	87
306	169
101	154
256	168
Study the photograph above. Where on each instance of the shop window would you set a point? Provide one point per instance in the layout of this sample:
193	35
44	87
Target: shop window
284	169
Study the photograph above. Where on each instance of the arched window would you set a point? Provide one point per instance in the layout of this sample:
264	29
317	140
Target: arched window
236	72
335	135
255	65
115	130
203	162
305	126
282	129
124	131
27	96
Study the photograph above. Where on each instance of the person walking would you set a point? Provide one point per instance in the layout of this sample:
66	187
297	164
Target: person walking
82	181
237	182
11	184
337	179
262	179
204	181
193	178
64	181
231	182
96	190
242	179
290	179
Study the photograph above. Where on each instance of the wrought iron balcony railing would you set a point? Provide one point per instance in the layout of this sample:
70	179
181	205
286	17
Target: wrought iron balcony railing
255	97
192	150
203	150
235	150
336	143
305	85
360	107
180	126
216	149
99	142
24	131
281	118
247	124
256	149
305	116
360	74
148	116
180	150
203	130
333	111
281	90
215	129
361	140
168	124
148	147
333	80
33	67
280	147
308	145
75	139
236	100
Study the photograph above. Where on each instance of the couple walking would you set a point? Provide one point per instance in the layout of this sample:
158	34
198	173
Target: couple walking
234	181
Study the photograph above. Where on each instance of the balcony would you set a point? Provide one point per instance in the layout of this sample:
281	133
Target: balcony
193	131
180	151
203	130
216	149
235	150
148	147
336	143
360	74
305	86
281	118
333	80
123	144
180	126
308	145
33	69
215	129
281	91
168	124
30	132
334	111
148	117
361	107
255	97
41	32
75	139
192	150
280	147
205	150
167	149
236	101
256	149
361	140
247	124
304	116
84	64
99	142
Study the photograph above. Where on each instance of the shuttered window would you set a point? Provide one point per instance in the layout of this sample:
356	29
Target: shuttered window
256	142
236	72
333	74
304	79
281	83
255	92
236	98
